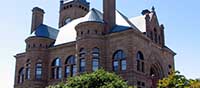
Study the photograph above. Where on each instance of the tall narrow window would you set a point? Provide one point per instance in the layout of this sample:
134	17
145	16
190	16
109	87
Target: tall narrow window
28	69
21	76
155	36
119	61
70	67
140	62
95	59
159	39
57	69
82	54
38	72
151	35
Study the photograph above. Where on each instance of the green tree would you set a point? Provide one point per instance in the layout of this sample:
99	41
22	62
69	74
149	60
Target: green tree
97	79
195	83
174	80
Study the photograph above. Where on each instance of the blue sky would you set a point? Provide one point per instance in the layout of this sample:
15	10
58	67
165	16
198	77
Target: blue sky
180	17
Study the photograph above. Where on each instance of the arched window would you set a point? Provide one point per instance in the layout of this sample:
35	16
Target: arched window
119	61
21	75
82	54
57	69
38	70
140	61
70	66
28	69
95	59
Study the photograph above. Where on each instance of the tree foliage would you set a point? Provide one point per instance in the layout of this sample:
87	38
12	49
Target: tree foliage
97	79
175	80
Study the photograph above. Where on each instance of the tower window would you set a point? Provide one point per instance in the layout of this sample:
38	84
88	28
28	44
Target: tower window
28	69
57	69
85	9
82	65
70	67
38	72
21	76
119	61
95	59
38	69
68	20
82	54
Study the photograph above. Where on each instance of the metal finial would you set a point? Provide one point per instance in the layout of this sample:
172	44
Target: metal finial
153	8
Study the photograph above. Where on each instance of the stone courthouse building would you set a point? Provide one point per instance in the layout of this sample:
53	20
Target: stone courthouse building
88	39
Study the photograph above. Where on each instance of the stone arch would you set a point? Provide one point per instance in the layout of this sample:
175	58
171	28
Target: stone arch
156	70
155	66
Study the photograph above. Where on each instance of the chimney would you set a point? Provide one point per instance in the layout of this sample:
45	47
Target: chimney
109	7
37	18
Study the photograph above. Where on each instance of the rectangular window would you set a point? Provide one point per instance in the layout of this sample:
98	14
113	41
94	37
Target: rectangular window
116	64
138	65
74	70
54	73
38	71
59	73
28	73
123	65
67	69
142	66
82	65
95	64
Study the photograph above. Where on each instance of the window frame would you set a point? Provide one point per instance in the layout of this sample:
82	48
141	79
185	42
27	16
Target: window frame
56	68
140	62
70	66
95	59
118	57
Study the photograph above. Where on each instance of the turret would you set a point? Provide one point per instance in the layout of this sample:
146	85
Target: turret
37	53
72	9
90	42
37	44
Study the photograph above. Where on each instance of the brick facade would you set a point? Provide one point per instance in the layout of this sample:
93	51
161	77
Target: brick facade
158	58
